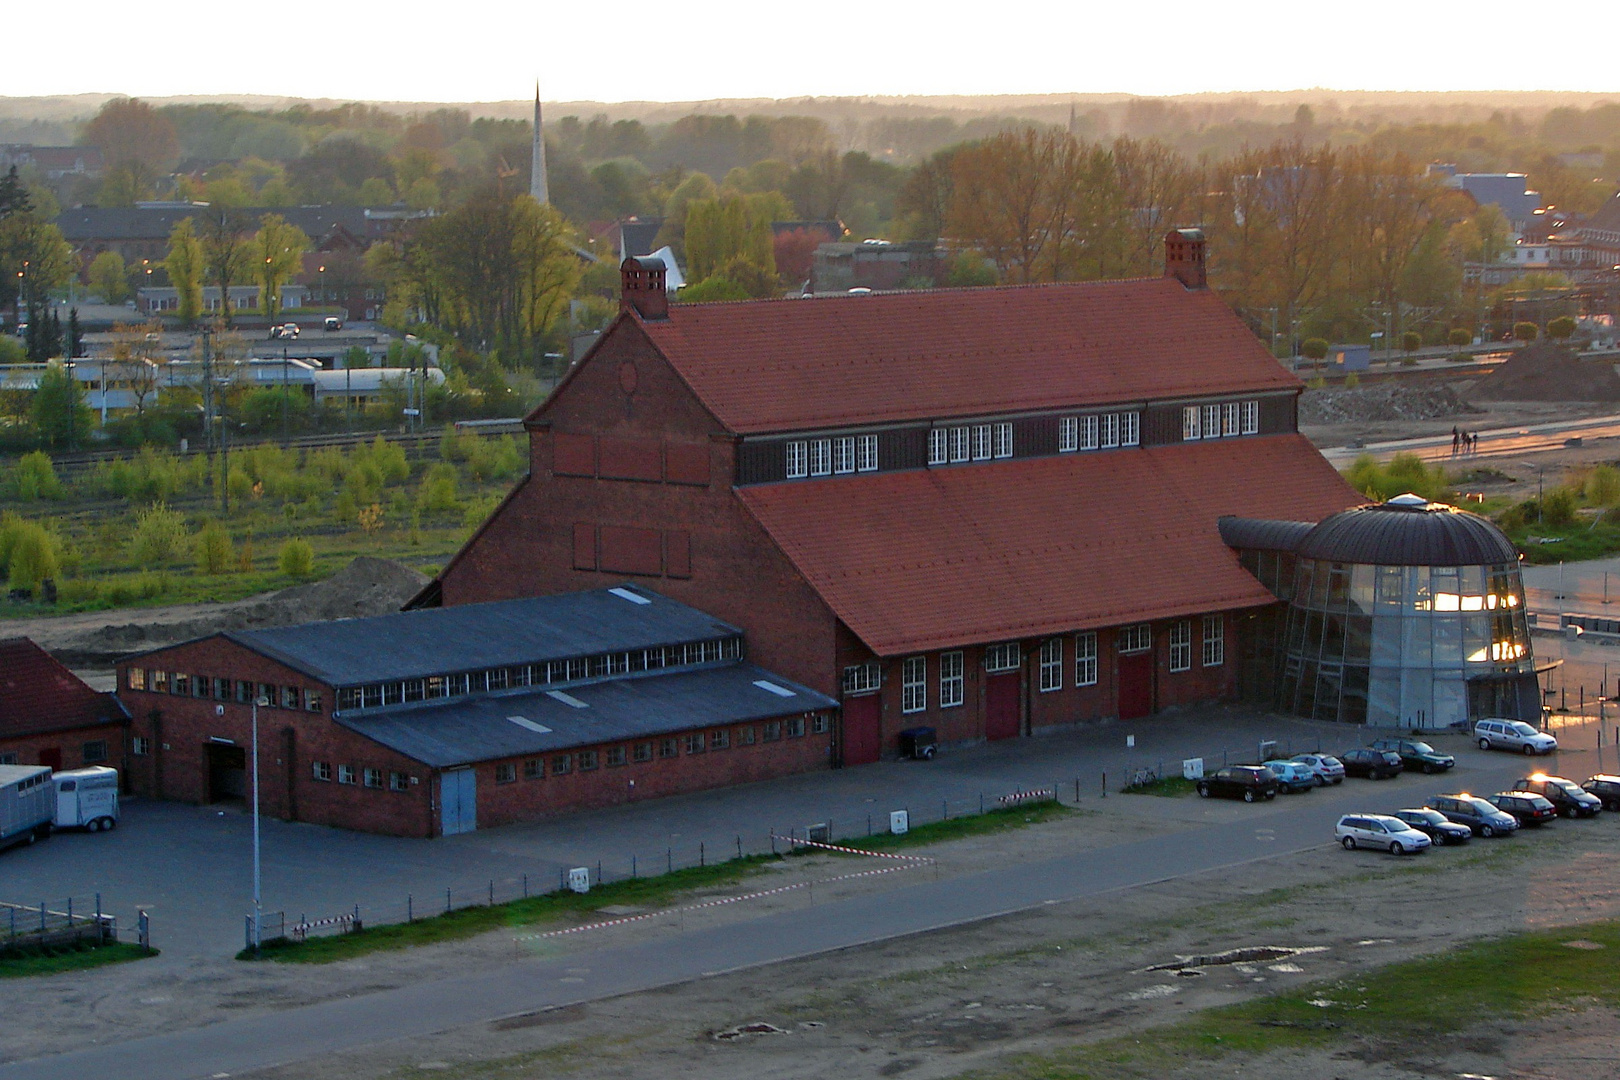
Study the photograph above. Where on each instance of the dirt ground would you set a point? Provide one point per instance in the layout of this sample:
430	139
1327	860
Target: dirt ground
1490	414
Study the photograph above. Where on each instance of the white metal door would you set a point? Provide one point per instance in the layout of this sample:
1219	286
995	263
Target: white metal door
458	801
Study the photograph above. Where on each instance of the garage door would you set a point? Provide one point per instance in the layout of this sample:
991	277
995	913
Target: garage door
1001	694
458	801
861	721
1135	685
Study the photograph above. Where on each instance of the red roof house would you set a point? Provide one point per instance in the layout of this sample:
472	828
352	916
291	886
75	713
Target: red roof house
986	511
48	716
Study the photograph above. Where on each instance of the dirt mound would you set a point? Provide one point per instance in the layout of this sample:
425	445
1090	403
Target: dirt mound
367	586
1545	371
1389	400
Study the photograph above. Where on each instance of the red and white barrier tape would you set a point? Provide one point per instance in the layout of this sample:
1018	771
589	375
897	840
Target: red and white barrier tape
853	850
911	862
1020	796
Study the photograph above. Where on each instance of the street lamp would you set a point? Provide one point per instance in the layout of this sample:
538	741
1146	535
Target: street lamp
258	912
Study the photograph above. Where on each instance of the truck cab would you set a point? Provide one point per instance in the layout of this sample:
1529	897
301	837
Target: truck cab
87	799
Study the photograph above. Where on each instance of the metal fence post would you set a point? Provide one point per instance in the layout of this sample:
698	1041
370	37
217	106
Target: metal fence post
1105	784
739	845
700	854
669	860
447	901
410	912
491	892
525	886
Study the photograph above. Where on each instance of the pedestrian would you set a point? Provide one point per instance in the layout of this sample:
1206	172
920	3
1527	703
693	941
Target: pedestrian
1456	438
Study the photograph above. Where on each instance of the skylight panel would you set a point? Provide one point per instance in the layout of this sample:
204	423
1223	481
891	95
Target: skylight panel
770	687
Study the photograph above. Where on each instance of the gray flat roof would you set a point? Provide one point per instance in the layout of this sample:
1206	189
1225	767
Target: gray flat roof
533	723
469	637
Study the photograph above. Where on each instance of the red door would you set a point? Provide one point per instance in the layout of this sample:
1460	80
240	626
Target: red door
52	757
1001	693
1135	685
862	720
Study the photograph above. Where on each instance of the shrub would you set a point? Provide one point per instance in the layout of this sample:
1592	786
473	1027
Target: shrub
1411	341
296	559
1351	381
1459	337
240	485
1602	487
1561	328
215	552
30	554
1525	331
437	495
371	517
1558	507
160	536
386	461
1316	383
1403	473
34	478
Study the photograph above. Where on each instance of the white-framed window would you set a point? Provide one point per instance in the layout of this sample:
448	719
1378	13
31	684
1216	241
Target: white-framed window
844	454
1251	418
939	445
1130	429
398	781
961	443
1068	434
374	777
981	442
795	727
1190	428
345	774
135	678
950	679
1003	657
866	453
1138	638
1214	641
914	684
321	770
863	678
820	457
1051	664
1004	439
1181	645
796	461
1229	418
819	724
140	746
1085	659
1109	422
1212	421
1088	433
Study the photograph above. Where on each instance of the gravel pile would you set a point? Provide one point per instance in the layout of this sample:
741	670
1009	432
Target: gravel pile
1545	371
1390	400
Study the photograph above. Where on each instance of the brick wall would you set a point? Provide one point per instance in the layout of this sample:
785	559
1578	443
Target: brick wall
70	745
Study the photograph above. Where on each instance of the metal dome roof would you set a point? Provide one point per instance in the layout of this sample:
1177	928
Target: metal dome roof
1408	531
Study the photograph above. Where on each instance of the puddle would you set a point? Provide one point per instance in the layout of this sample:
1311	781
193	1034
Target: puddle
1150	993
758	1027
1583	943
1377	941
1252	955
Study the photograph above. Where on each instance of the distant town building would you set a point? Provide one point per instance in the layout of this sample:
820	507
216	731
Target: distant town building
1509	192
875	264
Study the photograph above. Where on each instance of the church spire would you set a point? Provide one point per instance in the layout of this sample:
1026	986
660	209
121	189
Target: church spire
537	159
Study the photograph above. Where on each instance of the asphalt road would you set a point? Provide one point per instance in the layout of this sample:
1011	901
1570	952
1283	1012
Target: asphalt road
1290	825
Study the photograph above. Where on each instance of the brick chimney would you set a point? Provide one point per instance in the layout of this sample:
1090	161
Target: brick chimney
1184	257
642	288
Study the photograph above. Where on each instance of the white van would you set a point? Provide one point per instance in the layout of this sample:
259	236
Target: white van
87	799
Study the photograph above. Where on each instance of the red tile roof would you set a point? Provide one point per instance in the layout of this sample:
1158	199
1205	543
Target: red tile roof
38	694
939	558
783	365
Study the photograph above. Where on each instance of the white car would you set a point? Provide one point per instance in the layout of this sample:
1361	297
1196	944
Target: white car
1379	831
1500	734
1328	769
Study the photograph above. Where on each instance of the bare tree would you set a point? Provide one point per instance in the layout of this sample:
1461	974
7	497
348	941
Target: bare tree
134	364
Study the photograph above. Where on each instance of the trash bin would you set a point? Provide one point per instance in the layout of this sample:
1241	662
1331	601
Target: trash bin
918	743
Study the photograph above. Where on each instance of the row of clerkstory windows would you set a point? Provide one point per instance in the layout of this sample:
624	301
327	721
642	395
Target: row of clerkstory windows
970	442
242	691
1220	421
1099	431
825	457
545	673
360	776
867	678
693	742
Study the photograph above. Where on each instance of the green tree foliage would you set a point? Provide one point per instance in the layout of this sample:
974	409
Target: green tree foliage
214	550
60	416
1403	473
278	252
1602	486
731	227
1558	507
33	478
1458	337
1525	331
227	256
29	553
160	537
1411	342
109	277
1314	349
296	558
1561	328
186	265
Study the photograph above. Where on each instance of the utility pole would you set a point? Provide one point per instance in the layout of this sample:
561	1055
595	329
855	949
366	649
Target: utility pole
208	399
284	397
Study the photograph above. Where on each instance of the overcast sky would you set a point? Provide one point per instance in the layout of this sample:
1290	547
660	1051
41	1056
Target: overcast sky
483	50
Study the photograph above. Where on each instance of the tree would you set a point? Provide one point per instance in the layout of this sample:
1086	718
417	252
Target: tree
31	557
138	144
226	254
1315	349
160	537
278	253
59	413
296	558
731	227
109	277
186	265
1411	342
215	552
1561	328
134	363
1525	331
1459	337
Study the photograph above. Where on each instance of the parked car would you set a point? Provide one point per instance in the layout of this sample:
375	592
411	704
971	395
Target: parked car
1470	810
332	322
1292	776
1606	788
1566	797
1530	809
1246	782
1435	825
1498	734
1415	754
1328	769
1373	764
1379	831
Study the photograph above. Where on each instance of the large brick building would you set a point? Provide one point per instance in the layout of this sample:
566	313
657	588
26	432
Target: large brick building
49	716
433	722
989	511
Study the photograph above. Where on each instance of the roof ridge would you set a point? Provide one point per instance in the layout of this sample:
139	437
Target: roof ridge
1012	286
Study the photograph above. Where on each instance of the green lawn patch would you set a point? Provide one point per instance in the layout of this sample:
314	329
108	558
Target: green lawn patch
1414	1001
1172	787
1001	819
22	964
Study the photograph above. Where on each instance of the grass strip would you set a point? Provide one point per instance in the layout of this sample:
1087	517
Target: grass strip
1413	1002
25	963
1170	787
660	891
